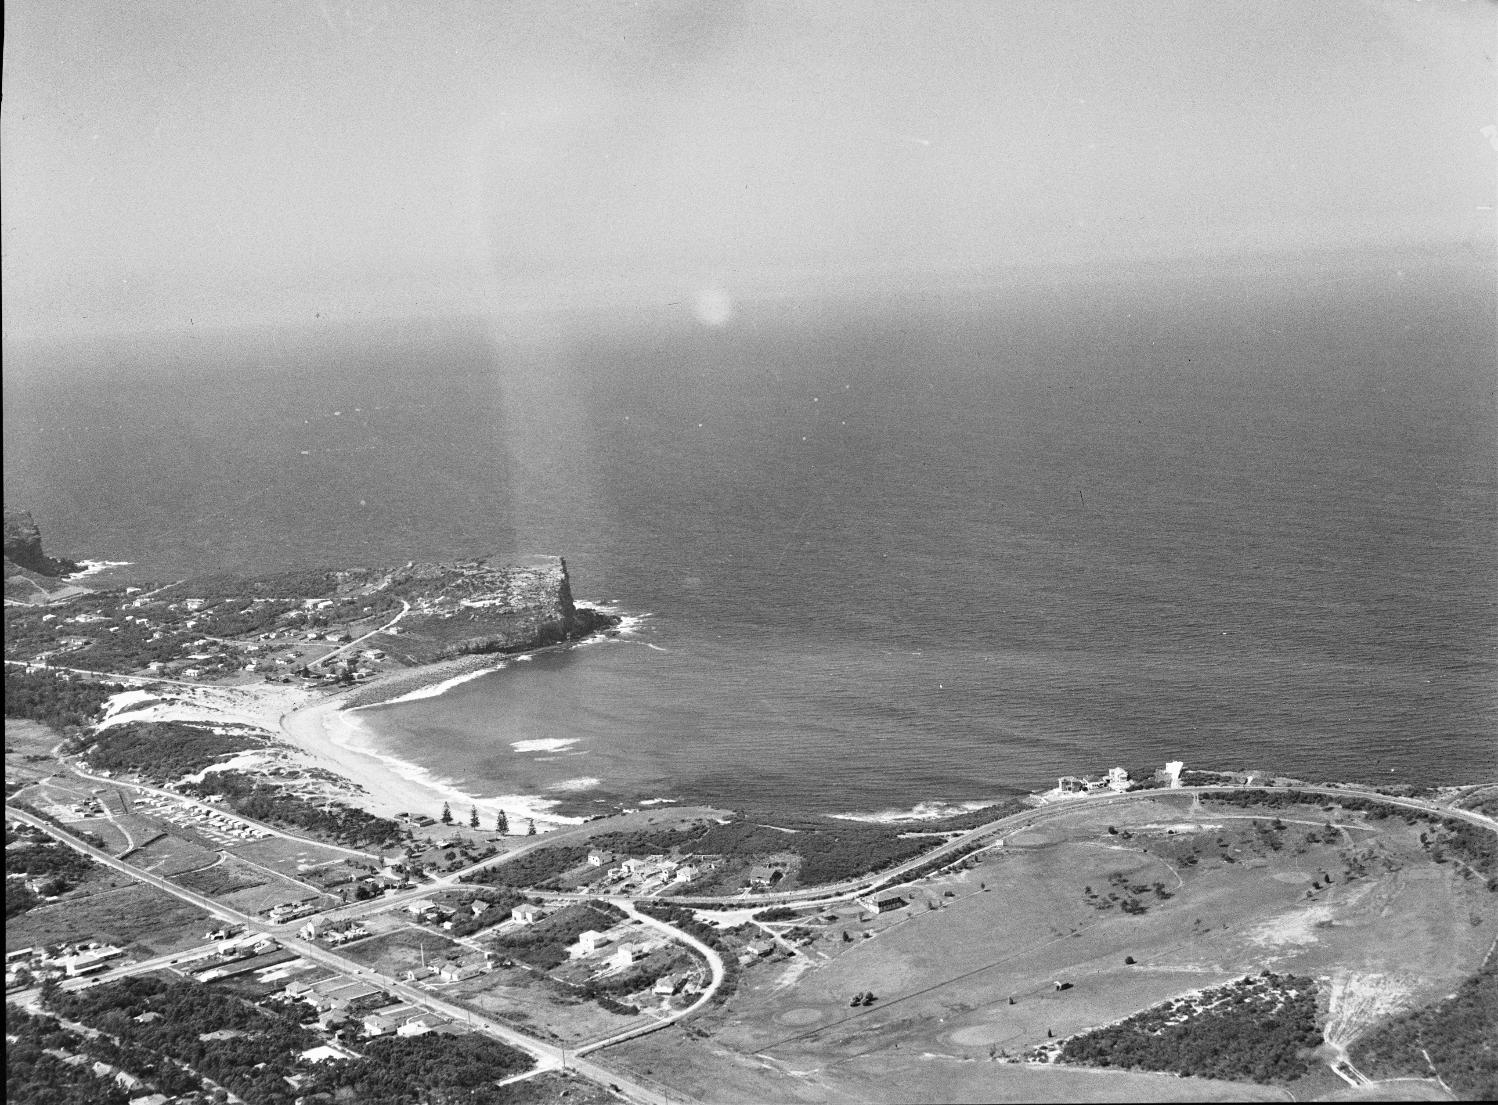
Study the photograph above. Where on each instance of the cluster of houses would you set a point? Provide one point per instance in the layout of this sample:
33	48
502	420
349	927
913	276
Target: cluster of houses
123	1079
80	811
1115	782
60	961
238	956
336	934
648	874
429	912
220	827
618	954
291	911
340	999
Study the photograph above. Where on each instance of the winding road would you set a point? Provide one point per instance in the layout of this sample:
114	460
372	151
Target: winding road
551	1057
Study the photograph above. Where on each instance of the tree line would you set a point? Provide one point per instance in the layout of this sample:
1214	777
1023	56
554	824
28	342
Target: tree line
50	698
1261	1030
161	750
1458	1033
249	797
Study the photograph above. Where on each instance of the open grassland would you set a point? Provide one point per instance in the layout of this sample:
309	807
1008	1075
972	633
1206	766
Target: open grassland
290	856
28	747
170	855
520	995
152	921
220	879
533	1003
966	973
115	838
402	948
266	890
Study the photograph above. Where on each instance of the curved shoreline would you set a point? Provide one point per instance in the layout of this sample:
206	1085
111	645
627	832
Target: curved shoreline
332	736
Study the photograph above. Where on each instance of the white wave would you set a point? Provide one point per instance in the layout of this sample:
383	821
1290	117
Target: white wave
659	801
630	624
922	811
437	688
552	744
350	734
656	647
610	606
585	782
94	567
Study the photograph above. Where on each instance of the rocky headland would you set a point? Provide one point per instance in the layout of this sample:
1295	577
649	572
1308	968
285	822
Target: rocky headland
482	608
23	549
31	576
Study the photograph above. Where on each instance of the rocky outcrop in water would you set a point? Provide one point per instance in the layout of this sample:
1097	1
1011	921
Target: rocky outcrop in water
479	607
23	549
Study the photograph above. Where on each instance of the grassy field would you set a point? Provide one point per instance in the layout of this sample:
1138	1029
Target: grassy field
515	994
291	856
28	747
222	878
402	948
171	855
262	890
150	920
1214	893
525	999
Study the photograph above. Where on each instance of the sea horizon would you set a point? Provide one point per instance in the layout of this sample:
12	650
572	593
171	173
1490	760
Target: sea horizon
882	558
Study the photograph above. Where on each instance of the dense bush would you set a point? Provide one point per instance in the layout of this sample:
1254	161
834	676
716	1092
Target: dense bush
538	868
831	849
1474	846
1459	1035
501	902
31	1074
161	750
249	797
1262	1029
45	859
406	1070
686	920
53	699
253	1065
544	944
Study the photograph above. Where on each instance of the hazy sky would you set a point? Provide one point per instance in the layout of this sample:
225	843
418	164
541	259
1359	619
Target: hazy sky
179	163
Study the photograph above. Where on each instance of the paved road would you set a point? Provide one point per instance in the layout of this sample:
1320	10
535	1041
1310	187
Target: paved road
550	1056
714	962
852	888
547	1056
405	609
230	814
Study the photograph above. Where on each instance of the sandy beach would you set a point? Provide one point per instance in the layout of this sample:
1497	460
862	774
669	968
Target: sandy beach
315	730
335	739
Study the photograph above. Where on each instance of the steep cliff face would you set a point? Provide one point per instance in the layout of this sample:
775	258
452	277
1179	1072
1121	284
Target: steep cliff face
480	607
23	548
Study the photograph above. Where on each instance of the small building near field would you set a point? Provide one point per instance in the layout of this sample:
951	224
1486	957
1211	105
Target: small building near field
885	904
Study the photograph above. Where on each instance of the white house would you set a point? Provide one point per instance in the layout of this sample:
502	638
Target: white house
667	985
587	943
626	954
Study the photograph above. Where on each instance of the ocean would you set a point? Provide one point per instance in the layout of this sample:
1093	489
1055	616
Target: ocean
879	552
